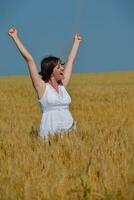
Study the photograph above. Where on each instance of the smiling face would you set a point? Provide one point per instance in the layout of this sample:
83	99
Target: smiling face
58	72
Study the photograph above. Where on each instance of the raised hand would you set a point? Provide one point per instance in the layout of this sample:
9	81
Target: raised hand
70	59
12	32
38	83
78	38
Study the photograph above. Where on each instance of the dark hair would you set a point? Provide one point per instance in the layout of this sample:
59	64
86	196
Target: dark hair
47	66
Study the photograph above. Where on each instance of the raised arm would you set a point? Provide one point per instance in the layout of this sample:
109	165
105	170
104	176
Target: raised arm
38	83
71	58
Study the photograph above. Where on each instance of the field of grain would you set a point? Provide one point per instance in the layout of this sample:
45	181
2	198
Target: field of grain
96	162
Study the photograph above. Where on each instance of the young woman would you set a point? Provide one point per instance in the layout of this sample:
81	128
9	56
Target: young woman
51	88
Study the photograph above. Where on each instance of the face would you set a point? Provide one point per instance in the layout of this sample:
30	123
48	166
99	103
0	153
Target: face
58	72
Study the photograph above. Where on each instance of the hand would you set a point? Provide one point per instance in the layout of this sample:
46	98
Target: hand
78	38
12	32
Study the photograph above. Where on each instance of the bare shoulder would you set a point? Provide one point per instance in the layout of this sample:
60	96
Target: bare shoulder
61	83
64	83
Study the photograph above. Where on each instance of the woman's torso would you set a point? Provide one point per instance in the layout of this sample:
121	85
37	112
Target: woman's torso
55	108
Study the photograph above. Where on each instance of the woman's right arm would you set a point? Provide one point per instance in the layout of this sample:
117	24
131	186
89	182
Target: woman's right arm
38	83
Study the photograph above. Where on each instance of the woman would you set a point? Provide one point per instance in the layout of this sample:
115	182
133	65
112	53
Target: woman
51	92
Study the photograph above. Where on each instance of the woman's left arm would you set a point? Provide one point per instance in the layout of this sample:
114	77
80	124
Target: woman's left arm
70	60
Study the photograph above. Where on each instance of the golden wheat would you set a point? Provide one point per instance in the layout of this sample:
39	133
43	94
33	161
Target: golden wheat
96	162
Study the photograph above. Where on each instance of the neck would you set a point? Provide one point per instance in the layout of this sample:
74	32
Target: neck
53	82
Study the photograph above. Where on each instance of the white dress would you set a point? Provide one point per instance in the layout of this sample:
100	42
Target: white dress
56	117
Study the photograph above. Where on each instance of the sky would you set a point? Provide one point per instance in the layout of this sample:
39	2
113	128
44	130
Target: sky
47	27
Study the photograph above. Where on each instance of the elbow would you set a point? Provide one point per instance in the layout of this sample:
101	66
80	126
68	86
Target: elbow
70	61
30	60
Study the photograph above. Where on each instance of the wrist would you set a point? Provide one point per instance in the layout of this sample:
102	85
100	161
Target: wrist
76	44
15	37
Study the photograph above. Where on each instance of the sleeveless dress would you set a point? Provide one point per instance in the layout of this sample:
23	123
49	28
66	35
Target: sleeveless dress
56	117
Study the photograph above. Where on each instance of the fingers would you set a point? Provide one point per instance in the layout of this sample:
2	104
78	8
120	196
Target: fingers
78	37
12	31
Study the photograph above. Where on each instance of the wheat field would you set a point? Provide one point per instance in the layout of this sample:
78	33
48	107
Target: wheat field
95	162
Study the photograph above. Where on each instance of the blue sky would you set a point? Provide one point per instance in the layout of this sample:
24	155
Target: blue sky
47	27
